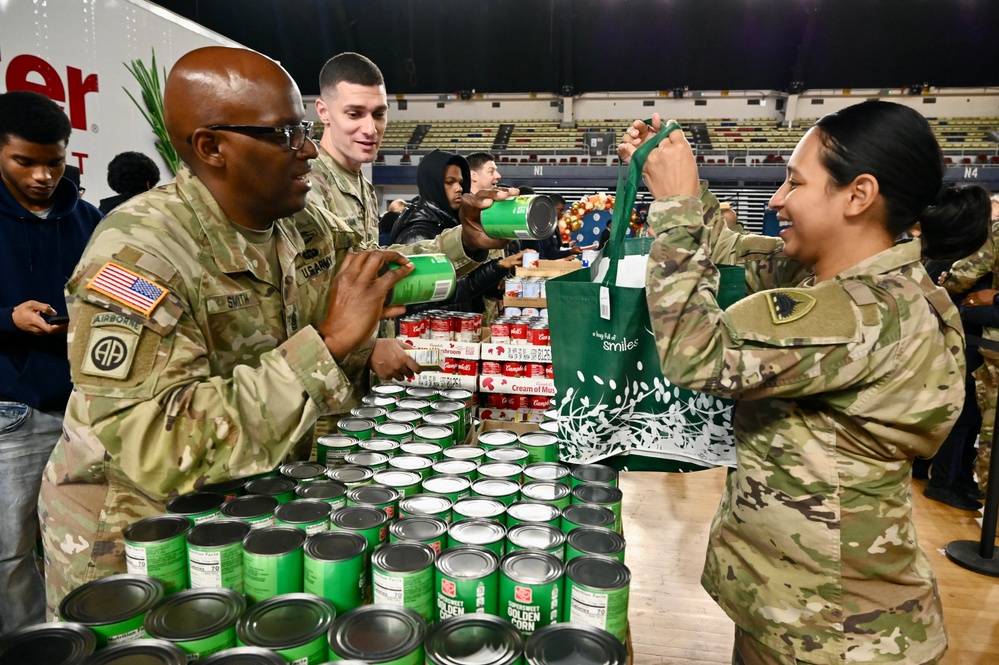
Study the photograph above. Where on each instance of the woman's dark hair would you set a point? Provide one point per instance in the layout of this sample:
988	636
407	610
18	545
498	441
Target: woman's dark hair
132	173
895	144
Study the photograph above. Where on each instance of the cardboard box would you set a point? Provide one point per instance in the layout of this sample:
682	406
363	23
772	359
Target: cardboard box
468	350
519	428
512	415
496	383
524	353
549	268
514	301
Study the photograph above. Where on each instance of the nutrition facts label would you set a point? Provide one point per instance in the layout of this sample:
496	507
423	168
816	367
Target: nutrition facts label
135	559
589	608
206	569
388	590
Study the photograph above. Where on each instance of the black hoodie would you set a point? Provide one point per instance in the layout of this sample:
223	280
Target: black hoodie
429	215
38	256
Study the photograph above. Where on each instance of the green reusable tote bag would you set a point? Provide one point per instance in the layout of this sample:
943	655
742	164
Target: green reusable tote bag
613	403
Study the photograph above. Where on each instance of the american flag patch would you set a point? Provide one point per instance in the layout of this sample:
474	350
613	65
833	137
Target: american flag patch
126	287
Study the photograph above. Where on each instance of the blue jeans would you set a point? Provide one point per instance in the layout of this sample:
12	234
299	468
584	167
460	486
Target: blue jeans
27	437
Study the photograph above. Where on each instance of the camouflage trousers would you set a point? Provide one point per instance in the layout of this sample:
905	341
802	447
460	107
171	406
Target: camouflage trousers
986	391
747	650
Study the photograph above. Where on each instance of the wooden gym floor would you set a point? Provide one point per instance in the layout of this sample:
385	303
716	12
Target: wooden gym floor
674	622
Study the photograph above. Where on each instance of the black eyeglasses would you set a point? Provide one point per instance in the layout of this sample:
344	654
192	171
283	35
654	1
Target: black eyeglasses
294	135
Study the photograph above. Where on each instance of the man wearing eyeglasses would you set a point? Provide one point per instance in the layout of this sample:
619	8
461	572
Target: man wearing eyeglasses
208	329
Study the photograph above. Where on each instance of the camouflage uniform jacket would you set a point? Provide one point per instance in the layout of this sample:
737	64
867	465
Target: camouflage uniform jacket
965	272
223	377
838	386
352	201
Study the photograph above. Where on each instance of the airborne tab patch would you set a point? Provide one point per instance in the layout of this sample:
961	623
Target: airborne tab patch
127	288
788	305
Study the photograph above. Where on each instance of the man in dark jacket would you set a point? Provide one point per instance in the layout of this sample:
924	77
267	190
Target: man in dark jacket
44	226
442	178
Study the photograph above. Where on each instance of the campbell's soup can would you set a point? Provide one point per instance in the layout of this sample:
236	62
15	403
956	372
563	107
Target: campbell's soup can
468	367
523	217
538	402
539	335
497	400
535	371
513	369
432	279
518	402
518	332
492	367
549	371
442	327
499	332
449	365
411	327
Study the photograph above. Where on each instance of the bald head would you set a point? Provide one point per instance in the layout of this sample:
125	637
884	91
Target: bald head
218	85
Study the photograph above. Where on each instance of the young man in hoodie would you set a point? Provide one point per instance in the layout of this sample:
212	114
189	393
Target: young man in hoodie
44	227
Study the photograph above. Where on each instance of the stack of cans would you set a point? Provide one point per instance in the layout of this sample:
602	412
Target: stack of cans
442	325
524	329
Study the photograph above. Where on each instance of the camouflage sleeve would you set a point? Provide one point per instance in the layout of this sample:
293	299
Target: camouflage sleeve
782	342
965	272
448	243
152	400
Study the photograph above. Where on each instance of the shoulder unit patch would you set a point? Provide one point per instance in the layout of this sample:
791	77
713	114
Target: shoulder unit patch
125	287
788	305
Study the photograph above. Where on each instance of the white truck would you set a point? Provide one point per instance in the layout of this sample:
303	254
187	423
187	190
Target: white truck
75	54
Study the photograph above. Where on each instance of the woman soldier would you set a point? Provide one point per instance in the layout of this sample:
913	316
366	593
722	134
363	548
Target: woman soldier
846	362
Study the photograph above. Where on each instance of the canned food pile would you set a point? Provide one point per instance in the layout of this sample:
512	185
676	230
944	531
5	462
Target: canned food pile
432	547
442	325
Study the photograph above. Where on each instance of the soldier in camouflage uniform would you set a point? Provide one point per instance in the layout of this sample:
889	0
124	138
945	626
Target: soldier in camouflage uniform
841	377
961	277
206	338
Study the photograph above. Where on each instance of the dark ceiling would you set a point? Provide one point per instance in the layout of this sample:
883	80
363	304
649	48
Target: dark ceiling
443	46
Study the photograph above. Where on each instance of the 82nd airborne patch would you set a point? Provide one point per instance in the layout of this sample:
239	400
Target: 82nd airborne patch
788	305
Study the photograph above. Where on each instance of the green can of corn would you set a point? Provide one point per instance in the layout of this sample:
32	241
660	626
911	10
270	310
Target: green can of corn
414	403
490	534
546	471
215	554
330	491
607	496
503	489
415	463
423	392
279	487
410	417
594	540
114	607
367	458
532	512
453	487
370	522
402	573
257	510
438	434
230	489
386	402
272	562
464	396
293	625
450	420
432	280
521	217
381	445
401	432
303	472
588	646
593	473
457	467
154	652
406	483
514	454
473	453
507	470
350	475
361	428
586	514
378	496
244	656
309	515
375	413
199	621
388	390
530	593
379	635
331	449
157	547
198	506
422	449
48	643
596	594
431	531
479	507
458	409
541	446
467	581
426	505
497	438
336	568
474	638
547	491
544	537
